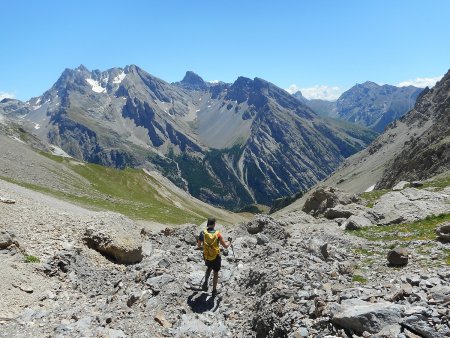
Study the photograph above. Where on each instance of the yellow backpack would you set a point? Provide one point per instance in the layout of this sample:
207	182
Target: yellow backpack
210	245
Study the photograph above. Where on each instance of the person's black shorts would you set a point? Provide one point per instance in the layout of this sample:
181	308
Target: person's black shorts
215	264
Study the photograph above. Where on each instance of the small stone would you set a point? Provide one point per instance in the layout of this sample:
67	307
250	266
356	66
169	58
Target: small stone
161	320
163	263
413	280
262	239
7	200
133	298
301	332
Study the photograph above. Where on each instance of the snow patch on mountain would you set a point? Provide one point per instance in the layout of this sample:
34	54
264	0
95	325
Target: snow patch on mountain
59	152
96	86
119	78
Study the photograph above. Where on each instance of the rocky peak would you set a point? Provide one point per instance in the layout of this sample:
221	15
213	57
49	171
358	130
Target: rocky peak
240	90
82	68
375	106
193	81
299	96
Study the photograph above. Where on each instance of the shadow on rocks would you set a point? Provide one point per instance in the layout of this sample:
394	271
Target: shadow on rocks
202	302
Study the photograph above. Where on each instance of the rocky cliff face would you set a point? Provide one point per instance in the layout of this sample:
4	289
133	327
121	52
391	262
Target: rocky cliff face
426	154
228	144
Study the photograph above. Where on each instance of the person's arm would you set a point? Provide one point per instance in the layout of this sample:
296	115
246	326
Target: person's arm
224	244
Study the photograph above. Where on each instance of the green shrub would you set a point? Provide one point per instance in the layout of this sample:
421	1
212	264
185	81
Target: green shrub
31	259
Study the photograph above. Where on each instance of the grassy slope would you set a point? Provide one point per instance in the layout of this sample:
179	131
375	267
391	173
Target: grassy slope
131	192
404	234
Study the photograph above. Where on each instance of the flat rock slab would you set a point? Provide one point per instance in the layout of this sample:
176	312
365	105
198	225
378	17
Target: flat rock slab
409	205
355	222
360	316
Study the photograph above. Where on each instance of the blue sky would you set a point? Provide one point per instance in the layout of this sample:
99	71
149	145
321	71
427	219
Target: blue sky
322	47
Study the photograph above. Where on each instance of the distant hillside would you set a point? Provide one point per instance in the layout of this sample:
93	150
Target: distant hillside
132	192
367	104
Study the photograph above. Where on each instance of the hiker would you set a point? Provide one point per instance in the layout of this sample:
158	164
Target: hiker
210	239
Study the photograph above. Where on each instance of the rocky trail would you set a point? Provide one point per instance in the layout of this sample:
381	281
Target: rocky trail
100	274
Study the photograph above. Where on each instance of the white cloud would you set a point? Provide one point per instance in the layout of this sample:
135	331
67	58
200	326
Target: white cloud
322	92
4	95
420	82
293	88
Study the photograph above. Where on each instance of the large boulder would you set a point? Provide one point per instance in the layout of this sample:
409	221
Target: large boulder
360	316
327	197
116	237
268	226
443	232
398	257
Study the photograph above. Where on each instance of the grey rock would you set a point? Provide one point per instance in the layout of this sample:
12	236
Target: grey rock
284	293
7	200
133	298
414	280
390	331
262	239
418	324
164	263
324	198
443	232
357	222
268	226
398	257
410	205
120	242
440	294
301	332
416	184
6	239
188	233
159	282
400	186
361	316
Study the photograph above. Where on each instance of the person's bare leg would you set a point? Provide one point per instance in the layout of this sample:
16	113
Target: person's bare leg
205	283
215	280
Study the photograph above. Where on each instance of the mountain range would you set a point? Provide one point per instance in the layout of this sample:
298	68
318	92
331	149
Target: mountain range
227	144
367	104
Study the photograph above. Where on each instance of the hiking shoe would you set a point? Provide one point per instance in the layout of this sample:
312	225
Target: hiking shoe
215	292
205	287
